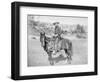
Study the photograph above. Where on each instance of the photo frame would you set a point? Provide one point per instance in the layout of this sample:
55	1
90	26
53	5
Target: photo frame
53	40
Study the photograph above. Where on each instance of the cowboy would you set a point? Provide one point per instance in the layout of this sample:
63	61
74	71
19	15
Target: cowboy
57	35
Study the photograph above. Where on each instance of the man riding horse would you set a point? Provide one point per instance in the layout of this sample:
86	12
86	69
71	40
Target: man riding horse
56	44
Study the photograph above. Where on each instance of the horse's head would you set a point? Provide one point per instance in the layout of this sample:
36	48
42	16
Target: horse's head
42	38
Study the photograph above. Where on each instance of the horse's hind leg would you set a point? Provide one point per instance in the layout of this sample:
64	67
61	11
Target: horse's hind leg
69	57
66	52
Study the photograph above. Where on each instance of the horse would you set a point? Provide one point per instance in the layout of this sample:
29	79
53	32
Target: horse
49	43
45	43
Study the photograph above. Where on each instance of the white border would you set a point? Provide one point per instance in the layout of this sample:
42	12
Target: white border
24	70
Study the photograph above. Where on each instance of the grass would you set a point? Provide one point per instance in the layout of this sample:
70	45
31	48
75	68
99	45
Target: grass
38	57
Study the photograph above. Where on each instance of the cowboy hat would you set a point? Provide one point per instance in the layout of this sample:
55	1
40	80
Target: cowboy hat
55	23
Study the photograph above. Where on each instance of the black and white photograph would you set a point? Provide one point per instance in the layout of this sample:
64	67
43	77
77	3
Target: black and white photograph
53	40
56	40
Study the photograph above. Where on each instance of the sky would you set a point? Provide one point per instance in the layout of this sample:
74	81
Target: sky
62	19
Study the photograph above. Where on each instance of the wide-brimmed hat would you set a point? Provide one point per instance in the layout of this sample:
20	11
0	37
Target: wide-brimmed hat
55	23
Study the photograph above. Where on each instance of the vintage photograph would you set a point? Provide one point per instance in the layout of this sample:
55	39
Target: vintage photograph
53	40
56	40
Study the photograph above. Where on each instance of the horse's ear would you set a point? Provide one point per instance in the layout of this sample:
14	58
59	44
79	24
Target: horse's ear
41	32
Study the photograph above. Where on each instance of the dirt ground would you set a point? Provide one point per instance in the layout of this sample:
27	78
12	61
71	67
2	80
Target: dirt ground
36	56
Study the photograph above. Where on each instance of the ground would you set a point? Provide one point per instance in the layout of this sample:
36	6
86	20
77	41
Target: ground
38	57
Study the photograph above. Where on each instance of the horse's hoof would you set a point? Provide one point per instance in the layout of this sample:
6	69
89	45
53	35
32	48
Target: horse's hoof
51	63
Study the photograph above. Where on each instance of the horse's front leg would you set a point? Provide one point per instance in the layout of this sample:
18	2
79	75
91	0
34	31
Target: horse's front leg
51	62
50	58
